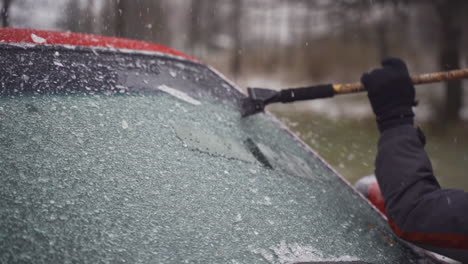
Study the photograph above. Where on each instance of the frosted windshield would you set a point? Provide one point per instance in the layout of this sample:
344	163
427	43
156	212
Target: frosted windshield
142	175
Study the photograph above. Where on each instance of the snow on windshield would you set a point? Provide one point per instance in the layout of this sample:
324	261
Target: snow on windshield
293	253
176	93
119	174
205	140
37	39
126	172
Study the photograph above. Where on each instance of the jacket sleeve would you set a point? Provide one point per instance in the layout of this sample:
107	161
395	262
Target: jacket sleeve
419	210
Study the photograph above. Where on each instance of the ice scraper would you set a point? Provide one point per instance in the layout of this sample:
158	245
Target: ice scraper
258	98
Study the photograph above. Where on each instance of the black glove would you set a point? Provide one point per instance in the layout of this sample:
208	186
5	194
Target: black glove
391	94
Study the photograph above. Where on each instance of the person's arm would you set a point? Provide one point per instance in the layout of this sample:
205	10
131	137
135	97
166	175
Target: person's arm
419	210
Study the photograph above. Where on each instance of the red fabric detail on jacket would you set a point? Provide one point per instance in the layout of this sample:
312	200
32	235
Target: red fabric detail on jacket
453	241
376	197
17	35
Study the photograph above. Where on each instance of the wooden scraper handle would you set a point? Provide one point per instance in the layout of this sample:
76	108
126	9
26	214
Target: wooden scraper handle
417	79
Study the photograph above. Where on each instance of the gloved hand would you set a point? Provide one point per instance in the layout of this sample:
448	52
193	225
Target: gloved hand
391	94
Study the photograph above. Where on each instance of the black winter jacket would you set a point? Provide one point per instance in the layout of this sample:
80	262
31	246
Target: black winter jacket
419	210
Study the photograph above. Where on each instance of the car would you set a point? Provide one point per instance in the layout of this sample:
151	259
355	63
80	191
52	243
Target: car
121	151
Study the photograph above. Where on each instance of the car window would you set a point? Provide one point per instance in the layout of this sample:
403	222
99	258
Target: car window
109	156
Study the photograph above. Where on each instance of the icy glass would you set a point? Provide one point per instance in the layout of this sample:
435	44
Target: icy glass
149	171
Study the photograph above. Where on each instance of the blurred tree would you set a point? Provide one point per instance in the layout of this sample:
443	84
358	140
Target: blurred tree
273	61
136	19
236	22
5	12
451	14
196	27
372	21
214	22
79	17
120	10
147	20
107	18
71	20
89	21
382	41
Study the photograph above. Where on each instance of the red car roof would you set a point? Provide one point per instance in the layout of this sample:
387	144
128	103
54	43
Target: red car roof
17	35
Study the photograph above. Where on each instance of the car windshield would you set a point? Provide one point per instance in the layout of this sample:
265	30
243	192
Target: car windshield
113	156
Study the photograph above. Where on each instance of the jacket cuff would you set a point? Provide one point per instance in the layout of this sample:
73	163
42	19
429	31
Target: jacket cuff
391	123
398	131
397	117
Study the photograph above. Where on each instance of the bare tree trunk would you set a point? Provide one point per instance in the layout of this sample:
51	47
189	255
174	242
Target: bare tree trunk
237	35
141	19
195	31
272	58
382	43
119	18
4	13
71	19
449	57
213	24
88	24
107	19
